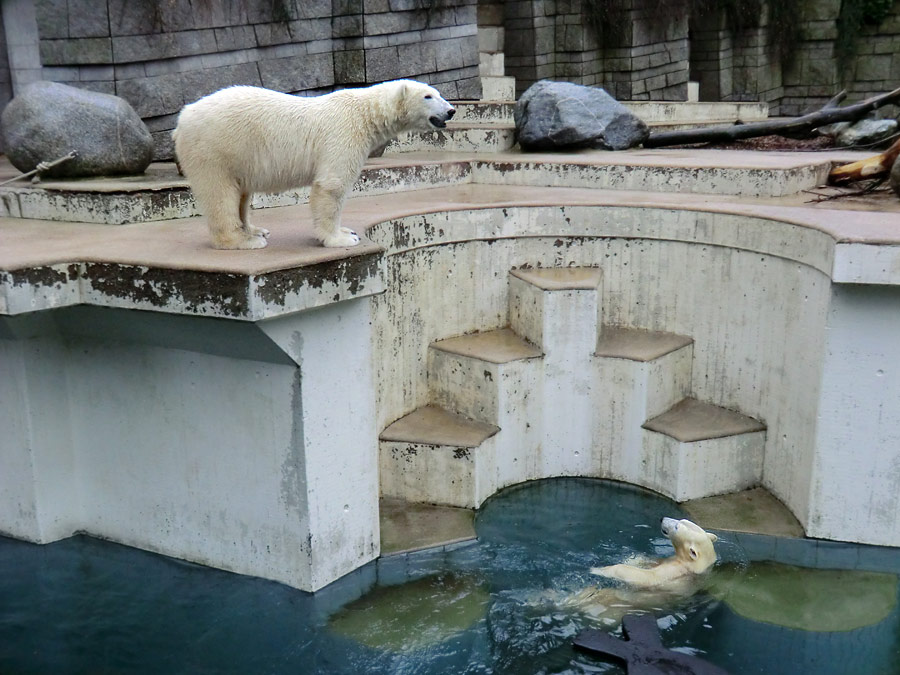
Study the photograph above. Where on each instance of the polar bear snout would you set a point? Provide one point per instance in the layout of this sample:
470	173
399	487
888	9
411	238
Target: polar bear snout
668	526
440	121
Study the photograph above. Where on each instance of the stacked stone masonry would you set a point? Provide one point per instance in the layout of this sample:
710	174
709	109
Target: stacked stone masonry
160	56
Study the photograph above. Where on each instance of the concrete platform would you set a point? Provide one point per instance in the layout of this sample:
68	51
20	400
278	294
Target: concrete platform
638	345
431	425
408	526
560	278
755	511
303	354
691	420
497	346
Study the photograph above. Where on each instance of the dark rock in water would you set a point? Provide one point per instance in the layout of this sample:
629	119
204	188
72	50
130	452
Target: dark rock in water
48	120
565	116
895	177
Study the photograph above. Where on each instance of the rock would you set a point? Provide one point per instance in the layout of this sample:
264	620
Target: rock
895	177
832	129
48	120
565	116
866	132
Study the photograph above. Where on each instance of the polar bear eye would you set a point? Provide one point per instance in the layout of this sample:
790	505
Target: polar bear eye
428	97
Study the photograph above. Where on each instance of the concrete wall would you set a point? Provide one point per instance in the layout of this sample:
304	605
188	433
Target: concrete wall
557	42
231	444
160	56
758	340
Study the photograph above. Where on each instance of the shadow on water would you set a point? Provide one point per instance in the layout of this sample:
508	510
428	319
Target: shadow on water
495	606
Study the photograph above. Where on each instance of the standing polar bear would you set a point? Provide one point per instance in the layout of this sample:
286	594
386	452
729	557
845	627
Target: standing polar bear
242	140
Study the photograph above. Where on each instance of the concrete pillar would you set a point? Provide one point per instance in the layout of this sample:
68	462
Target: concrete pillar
245	446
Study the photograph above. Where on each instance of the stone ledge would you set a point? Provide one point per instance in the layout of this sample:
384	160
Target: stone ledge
496	346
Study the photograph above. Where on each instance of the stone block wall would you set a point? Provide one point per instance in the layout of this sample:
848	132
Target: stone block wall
813	75
553	40
162	54
876	68
734	67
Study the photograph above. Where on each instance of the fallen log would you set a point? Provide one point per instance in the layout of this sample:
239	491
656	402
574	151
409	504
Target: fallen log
803	125
866	169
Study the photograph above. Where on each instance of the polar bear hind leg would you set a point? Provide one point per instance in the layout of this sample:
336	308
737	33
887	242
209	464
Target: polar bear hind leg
220	199
326	203
246	198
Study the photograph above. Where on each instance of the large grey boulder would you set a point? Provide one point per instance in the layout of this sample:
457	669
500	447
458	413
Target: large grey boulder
866	132
564	116
48	120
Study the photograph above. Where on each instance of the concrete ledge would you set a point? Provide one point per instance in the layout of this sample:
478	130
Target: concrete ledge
432	425
498	346
638	345
561	278
691	420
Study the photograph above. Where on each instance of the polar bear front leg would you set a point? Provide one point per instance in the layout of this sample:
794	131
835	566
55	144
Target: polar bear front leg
326	204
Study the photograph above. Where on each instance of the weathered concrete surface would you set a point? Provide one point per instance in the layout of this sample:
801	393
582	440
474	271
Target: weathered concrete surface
431	425
407	526
691	420
230	444
638	345
755	511
754	282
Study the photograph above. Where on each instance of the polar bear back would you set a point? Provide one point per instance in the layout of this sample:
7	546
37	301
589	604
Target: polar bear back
269	141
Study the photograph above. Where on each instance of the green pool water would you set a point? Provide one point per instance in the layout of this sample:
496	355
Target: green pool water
498	605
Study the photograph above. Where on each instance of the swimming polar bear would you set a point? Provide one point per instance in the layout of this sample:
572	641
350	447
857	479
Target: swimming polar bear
650	585
694	554
242	140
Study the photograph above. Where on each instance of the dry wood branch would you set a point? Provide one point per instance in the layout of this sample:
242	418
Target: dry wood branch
791	127
866	169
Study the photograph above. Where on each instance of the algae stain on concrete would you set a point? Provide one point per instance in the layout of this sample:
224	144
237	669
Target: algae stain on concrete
414	615
821	600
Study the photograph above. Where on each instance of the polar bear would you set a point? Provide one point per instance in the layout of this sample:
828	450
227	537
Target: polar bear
694	555
242	140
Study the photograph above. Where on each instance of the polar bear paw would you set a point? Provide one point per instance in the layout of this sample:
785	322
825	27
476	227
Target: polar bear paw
249	242
258	231
341	239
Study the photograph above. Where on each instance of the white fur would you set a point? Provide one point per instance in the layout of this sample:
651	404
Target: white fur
694	554
242	140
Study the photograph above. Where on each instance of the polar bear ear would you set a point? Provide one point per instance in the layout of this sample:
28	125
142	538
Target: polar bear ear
713	538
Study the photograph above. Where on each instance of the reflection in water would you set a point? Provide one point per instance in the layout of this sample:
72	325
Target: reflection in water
804	598
415	614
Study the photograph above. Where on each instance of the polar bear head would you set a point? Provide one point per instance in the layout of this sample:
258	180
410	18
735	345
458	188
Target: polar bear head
420	107
693	545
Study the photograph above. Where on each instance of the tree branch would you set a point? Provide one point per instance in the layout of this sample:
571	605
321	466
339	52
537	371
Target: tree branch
790	127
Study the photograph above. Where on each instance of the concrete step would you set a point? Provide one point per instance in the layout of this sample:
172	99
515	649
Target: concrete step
435	456
641	373
410	526
479	112
698	111
547	304
559	309
697	449
498	88
457	137
472	373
